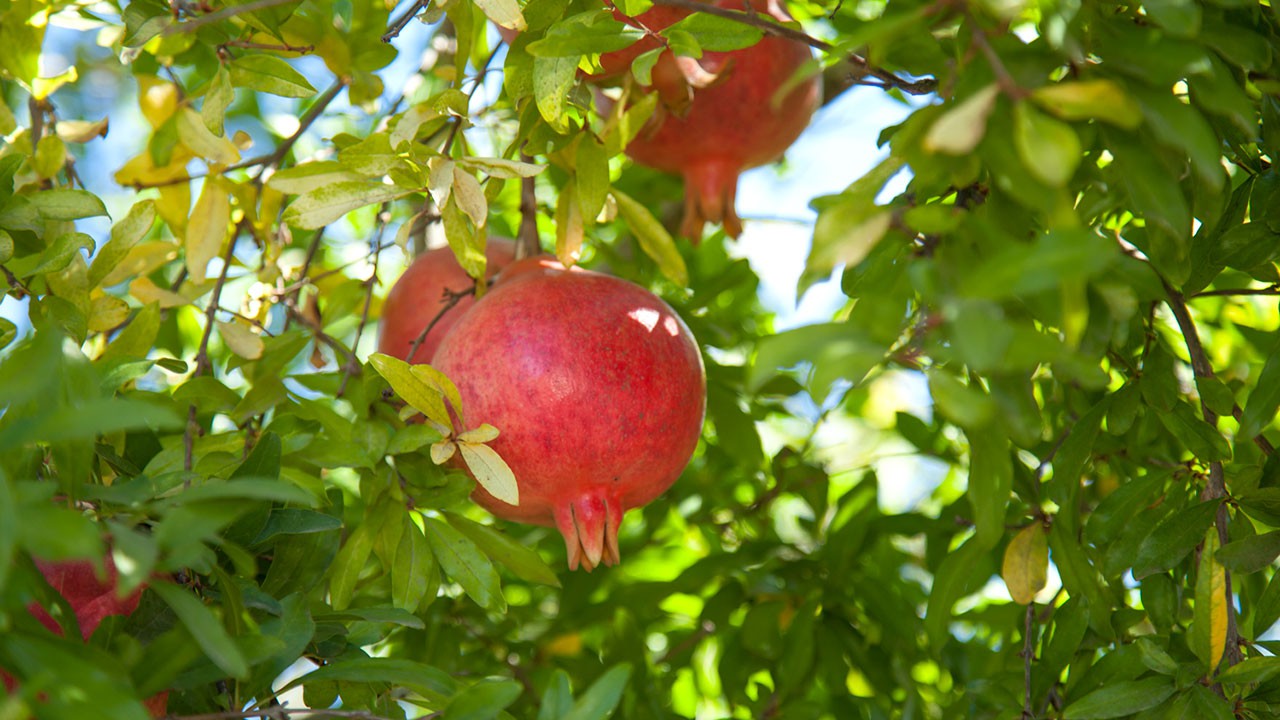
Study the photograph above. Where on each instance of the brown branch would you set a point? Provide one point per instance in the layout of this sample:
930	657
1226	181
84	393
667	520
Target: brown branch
1273	290
1028	654
223	14
1216	487
14	282
528	243
279	712
400	23
923	86
384	215
1003	78
250	45
188	440
450	299
271	159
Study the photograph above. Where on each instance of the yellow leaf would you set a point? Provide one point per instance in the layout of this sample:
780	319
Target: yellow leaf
82	131
42	88
419	392
196	136
570	229
1209	621
148	292
961	128
442	451
157	98
482	434
566	645
107	312
1026	563
142	259
470	196
173	205
241	339
142	170
51	155
207	229
491	471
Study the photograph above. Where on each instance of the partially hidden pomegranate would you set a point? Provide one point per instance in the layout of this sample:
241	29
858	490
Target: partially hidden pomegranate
92	600
424	291
597	388
732	120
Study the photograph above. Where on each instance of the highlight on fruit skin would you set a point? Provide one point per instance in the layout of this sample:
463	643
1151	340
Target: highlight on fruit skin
420	294
598	390
721	114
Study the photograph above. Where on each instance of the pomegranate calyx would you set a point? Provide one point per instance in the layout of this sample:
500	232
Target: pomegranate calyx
589	525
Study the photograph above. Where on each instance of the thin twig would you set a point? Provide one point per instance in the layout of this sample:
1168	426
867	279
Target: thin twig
1028	654
400	23
923	86
223	14
250	45
279	713
14	282
202	355
1273	290
1003	78
527	243
1216	487
268	160
384	215
450	299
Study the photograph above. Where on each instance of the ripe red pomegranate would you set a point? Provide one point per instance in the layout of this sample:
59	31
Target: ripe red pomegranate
419	295
732	122
598	390
92	600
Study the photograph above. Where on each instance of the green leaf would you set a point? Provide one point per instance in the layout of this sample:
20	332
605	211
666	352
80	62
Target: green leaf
1119	699
586	33
67	204
1197	436
600	700
484	700
591	176
1253	670
196	136
654	239
205	627
433	684
8	332
306	177
1264	399
296	521
557	699
1174	538
55	258
1052	260
325	204
1049	148
348	565
385	615
1097	99
1252	553
216	100
717	34
521	560
462	560
269	74
953	580
411	568
504	13
850	224
553	77
990	481
124	236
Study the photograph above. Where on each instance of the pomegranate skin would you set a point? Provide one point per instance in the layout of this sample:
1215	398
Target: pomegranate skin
419	295
597	388
731	124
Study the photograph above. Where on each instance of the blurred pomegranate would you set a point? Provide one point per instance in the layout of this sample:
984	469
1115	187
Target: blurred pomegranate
92	600
720	114
598	390
420	295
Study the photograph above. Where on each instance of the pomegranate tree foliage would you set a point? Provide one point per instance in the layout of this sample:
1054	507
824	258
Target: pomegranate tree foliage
1082	267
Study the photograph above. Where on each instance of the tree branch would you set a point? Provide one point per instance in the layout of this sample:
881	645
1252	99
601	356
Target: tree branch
279	712
1216	487
1273	290
223	14
399	24
923	86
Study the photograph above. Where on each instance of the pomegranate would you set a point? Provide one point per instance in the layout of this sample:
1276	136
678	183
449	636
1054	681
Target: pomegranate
731	121
92	600
597	388
420	295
